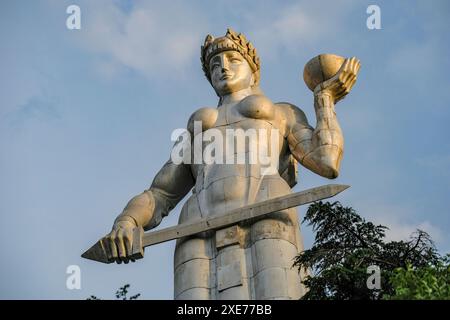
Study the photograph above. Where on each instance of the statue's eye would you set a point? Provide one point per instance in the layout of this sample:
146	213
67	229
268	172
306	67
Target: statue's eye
214	66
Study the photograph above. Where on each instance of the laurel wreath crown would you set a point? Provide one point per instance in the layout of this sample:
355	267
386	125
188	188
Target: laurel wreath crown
231	41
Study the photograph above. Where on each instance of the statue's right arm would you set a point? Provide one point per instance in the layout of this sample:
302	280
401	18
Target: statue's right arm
147	209
169	186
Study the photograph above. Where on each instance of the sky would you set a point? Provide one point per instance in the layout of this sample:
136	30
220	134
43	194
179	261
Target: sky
86	117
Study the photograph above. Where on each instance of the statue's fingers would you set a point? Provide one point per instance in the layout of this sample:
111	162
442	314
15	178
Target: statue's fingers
354	65
358	66
119	244
343	93
350	79
345	89
128	241
344	66
112	246
349	84
338	98
339	94
342	76
354	68
352	83
349	64
345	77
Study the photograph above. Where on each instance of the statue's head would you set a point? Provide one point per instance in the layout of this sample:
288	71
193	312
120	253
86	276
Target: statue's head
230	63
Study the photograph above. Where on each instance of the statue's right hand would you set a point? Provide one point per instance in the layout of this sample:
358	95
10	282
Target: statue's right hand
119	242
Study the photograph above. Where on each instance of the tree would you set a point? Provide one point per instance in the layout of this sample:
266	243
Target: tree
346	245
121	294
432	282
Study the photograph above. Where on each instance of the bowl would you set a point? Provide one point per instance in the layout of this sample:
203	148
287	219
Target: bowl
321	68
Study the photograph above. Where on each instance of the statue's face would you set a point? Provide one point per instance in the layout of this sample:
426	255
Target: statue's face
230	72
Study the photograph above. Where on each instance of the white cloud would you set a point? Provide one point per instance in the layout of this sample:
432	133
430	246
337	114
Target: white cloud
400	219
401	230
301	24
152	36
147	38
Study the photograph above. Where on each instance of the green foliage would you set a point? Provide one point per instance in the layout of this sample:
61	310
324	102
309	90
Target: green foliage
346	245
431	282
121	294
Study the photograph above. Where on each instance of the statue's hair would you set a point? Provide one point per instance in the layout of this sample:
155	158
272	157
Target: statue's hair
231	41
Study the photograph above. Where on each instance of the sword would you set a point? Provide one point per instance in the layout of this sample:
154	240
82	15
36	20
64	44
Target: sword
143	239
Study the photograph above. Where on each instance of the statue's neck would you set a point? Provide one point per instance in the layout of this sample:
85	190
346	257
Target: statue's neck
235	97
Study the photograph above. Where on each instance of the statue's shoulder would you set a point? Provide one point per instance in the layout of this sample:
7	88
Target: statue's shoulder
291	113
206	115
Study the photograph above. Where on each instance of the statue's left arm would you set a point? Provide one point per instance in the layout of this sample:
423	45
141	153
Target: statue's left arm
320	149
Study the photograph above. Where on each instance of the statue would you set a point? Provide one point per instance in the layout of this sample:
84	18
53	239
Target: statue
252	259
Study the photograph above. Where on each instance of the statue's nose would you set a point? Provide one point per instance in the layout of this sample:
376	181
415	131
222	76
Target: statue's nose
225	65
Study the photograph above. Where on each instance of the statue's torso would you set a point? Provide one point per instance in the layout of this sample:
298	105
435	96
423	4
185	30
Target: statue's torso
221	187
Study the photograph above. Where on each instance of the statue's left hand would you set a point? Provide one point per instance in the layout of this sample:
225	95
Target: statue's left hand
341	84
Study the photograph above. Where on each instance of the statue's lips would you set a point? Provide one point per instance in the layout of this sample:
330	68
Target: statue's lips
226	76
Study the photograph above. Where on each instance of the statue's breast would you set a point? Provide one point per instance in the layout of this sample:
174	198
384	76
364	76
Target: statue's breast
257	107
207	117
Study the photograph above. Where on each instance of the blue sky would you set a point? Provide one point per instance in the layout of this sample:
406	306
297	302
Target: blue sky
86	117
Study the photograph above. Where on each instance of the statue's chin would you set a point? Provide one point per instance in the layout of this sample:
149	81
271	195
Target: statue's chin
231	89
224	87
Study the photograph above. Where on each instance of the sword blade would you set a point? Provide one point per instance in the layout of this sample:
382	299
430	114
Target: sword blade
244	213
